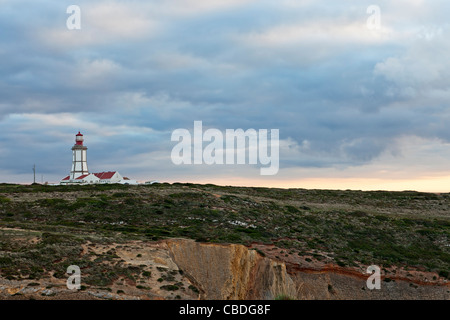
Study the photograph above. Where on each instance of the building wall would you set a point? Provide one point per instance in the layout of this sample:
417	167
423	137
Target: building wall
91	179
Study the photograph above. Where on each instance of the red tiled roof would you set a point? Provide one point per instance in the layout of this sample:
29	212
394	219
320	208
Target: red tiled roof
105	175
82	176
67	178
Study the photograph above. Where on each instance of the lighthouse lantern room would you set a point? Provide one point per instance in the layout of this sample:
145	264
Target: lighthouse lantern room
79	139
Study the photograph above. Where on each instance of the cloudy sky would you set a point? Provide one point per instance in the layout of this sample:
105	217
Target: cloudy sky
356	107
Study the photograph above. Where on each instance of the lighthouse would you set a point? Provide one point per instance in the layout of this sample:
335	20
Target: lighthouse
79	160
80	173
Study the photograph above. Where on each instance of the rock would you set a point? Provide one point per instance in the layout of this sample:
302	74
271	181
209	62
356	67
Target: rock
28	290
48	292
13	291
102	295
230	271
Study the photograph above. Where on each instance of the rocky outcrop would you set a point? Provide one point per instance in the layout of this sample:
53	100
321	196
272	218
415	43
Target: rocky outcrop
236	272
230	271
335	285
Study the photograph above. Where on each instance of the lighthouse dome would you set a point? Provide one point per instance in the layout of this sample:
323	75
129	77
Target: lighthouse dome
79	138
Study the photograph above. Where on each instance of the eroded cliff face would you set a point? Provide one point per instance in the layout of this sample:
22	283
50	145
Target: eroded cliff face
224	272
236	272
230	271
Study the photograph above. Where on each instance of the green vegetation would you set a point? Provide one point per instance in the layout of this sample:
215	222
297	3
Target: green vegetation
406	229
169	287
4	199
194	288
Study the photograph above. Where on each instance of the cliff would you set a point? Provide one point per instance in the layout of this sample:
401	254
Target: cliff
231	271
186	269
237	272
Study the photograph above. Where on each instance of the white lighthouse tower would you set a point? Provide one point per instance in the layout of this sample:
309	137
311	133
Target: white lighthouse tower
79	162
80	173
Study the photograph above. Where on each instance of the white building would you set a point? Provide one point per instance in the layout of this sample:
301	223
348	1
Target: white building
80	173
